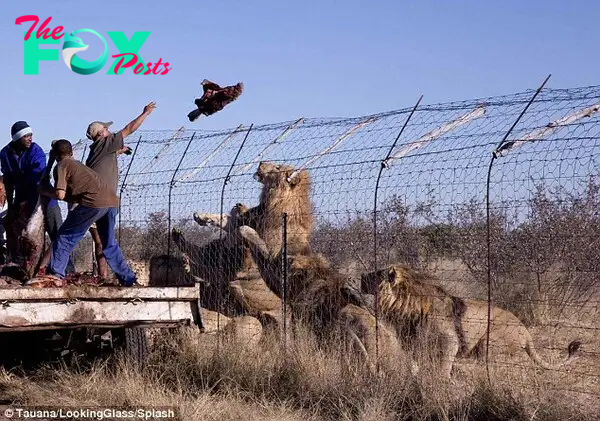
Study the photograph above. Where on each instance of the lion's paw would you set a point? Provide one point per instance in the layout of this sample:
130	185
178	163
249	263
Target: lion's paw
248	233
207	219
240	209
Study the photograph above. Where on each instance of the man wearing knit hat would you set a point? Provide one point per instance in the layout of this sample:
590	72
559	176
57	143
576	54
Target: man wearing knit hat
23	163
102	158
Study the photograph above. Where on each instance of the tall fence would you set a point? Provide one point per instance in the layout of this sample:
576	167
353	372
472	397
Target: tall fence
498	197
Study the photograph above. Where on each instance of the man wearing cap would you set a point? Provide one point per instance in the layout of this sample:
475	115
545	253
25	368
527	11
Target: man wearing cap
107	145
23	163
102	158
96	203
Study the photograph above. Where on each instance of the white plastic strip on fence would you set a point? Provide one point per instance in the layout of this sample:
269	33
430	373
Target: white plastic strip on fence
547	130
274	142
433	135
336	143
197	169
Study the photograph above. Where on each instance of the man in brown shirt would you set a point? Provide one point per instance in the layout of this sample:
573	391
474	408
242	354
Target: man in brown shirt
107	145
102	158
96	203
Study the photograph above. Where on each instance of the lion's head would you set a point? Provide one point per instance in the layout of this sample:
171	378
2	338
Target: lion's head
274	175
402	291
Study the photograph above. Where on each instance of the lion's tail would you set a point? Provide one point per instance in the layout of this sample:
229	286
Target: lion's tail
573	351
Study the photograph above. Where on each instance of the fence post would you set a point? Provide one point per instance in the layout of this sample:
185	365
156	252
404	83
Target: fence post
169	203
495	155
284	276
125	180
383	165
221	269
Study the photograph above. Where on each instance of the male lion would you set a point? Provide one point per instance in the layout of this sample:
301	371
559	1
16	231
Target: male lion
408	296
284	191
313	289
281	193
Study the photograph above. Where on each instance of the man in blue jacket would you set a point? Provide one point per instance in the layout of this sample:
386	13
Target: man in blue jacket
23	162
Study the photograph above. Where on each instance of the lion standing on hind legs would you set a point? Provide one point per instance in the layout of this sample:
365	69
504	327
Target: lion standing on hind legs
281	193
284	191
408	298
314	289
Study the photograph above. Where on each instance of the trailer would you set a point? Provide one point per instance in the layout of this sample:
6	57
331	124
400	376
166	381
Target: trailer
93	316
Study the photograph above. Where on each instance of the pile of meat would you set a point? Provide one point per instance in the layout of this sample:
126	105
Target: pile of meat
12	275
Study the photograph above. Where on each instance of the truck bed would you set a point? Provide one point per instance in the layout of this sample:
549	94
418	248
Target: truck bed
27	308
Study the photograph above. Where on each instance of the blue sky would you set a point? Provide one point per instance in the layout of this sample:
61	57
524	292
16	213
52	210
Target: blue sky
311	58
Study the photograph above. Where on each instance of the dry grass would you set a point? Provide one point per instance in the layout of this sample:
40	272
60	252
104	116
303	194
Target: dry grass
300	382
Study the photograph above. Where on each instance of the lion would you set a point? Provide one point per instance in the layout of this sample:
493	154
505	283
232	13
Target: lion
165	270
407	297
285	190
313	289
372	339
227	267
327	302
217	263
227	223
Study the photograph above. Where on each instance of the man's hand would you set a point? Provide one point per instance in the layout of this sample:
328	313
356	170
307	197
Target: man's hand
135	124
48	191
126	150
45	181
149	108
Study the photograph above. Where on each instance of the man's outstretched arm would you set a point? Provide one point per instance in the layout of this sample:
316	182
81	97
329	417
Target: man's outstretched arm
137	122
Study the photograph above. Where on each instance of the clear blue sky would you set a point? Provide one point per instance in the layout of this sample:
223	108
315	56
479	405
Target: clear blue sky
310	58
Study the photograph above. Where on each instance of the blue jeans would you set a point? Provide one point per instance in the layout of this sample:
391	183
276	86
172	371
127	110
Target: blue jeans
53	222
76	225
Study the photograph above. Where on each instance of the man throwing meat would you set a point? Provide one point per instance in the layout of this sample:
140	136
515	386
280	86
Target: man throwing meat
102	158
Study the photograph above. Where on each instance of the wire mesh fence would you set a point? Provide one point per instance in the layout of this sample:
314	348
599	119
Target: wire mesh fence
513	224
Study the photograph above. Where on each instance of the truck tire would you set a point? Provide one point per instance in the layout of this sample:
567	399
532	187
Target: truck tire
136	346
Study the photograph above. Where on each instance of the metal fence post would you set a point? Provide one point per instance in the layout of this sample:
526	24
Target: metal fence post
221	269
125	180
383	165
495	155
170	203
284	276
